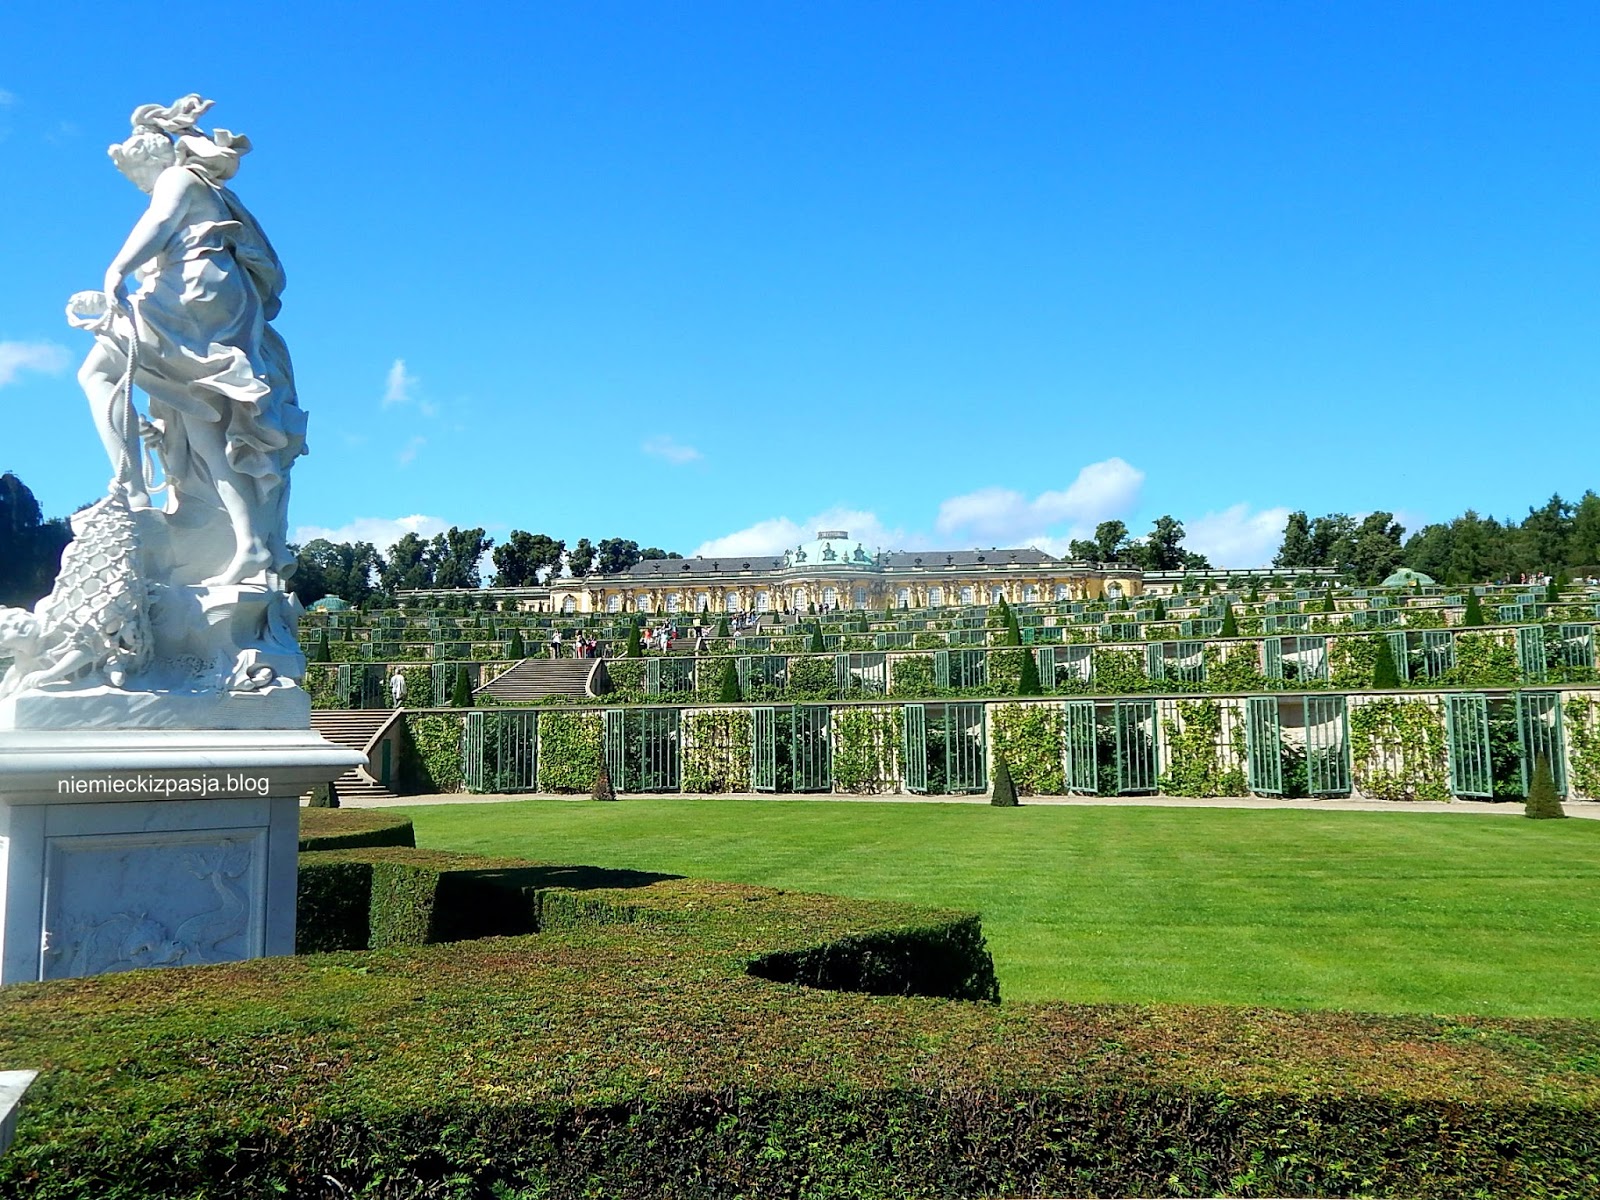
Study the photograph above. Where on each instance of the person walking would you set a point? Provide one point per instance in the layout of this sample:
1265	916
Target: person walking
555	643
397	687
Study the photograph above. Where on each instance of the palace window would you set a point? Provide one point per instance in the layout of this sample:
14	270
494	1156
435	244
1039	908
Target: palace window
996	595
730	602
672	602
614	602
830	597
763	602
568	604
903	597
1061	591
860	598
1030	593
967	595
936	597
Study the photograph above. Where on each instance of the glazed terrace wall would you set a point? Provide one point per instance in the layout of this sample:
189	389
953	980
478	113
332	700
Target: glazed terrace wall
1486	657
1422	745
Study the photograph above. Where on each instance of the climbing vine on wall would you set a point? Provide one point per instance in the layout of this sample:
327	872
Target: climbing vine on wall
1005	672
912	675
866	748
811	678
1484	660
1583	745
716	750
1351	661
1030	737
1194	746
1397	750
431	753
1119	672
1237	670
569	751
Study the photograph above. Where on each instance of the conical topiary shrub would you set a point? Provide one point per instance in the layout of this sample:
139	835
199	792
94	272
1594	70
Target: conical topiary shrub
634	648
1159	612
321	653
519	648
1029	684
1328	605
1230	623
602	782
1543	804
1005	791
817	646
461	696
728	689
722	627
1474	614
1385	673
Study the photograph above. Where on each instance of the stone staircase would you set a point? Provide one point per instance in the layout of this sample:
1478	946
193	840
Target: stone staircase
537	678
355	729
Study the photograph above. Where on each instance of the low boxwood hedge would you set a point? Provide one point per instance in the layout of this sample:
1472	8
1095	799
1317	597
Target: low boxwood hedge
349	828
628	1050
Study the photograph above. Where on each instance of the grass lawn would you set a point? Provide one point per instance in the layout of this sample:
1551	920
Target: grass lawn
1370	911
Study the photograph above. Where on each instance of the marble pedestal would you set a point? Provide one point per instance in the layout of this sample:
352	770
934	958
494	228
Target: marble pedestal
136	848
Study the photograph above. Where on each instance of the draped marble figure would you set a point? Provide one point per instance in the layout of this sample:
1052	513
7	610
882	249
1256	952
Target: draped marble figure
176	580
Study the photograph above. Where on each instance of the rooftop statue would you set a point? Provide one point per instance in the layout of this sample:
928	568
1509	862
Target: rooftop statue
185	596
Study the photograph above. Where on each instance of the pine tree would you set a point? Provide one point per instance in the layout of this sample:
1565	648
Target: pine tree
1543	804
602	782
1474	614
1005	791
728	690
1029	684
1385	674
634	648
1230	624
461	696
322	653
519	648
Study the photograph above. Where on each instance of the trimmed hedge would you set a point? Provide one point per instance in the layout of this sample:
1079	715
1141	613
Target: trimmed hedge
351	828
629	1051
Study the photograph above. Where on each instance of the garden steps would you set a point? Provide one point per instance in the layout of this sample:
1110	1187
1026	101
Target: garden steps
355	729
540	678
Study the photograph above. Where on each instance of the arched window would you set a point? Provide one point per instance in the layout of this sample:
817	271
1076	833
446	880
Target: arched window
763	602
936	597
730	602
672	602
702	602
568	604
1114	590
996	595
903	597
614	602
830	597
966	595
1030	593
1061	591
801	599
860	598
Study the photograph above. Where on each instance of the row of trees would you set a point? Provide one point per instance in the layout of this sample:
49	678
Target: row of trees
355	571
1555	537
1159	550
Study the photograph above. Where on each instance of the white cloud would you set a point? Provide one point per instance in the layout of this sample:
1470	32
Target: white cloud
676	453
47	358
777	534
400	385
1237	537
1101	491
408	452
382	532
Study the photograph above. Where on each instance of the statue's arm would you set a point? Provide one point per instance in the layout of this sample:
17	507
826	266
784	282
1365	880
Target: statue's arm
169	202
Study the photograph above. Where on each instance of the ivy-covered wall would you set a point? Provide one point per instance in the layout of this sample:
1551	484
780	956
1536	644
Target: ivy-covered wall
716	750
1029	736
430	753
866	749
1198	750
1582	727
1397	749
569	751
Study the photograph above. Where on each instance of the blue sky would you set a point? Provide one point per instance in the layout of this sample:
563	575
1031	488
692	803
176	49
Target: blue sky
943	274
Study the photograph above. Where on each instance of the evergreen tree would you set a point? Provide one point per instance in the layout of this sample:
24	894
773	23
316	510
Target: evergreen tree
1205	588
1542	804
722	626
1254	596
1552	592
1005	791
817	646
1328	605
1013	630
1029	684
519	648
1230	624
461	695
1159	613
322	653
602	782
633	648
728	691
1474	615
1385	674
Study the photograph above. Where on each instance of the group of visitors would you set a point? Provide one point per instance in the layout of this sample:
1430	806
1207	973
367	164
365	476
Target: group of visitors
583	645
661	636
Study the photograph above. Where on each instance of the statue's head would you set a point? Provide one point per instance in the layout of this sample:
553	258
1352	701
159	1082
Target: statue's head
19	631
165	135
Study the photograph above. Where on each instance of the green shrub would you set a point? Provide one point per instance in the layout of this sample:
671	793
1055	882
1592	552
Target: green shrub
323	653
1543	804
569	751
1004	792
728	689
352	828
324	795
461	694
430	753
1474	612
1029	684
1385	674
811	678
1029	738
866	748
634	648
518	648
1230	623
717	745
1195	744
1397	750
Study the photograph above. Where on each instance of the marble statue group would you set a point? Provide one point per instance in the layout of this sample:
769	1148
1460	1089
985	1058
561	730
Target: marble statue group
174	583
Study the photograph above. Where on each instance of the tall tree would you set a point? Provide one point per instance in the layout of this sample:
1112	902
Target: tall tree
1296	549
456	557
406	566
616	555
1111	540
1373	551
348	570
525	558
1583	547
580	559
653	553
1162	548
1546	532
30	546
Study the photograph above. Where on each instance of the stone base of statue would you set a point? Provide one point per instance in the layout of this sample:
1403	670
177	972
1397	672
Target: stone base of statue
141	848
